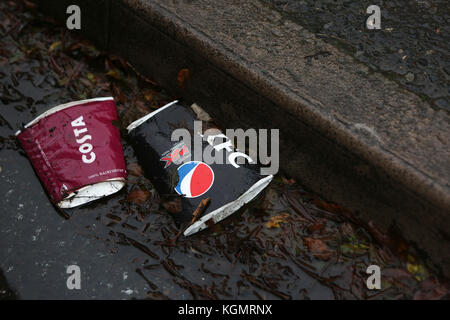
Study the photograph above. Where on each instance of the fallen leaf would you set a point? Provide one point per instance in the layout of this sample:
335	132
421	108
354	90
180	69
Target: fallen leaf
276	221
148	96
138	196
318	248
200	113
54	45
91	77
317	226
183	76
353	249
173	206
114	73
392	239
195	215
416	269
203	205
316	245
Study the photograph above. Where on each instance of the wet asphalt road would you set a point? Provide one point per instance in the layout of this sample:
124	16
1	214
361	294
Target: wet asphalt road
412	47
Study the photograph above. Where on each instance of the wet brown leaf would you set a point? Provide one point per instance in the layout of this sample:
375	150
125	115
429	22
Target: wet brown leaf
202	206
138	196
393	240
417	269
91	77
317	226
276	221
173	206
115	73
148	96
183	76
318	248
54	45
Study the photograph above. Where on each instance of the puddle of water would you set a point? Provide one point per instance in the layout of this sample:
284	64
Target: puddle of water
289	244
412	47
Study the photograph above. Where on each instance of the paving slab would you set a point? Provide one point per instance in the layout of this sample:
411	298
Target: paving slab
411	47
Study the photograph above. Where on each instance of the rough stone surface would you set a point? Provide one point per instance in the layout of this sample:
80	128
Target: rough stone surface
412	46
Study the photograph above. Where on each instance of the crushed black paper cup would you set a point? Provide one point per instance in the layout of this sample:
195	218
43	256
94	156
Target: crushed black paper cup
173	169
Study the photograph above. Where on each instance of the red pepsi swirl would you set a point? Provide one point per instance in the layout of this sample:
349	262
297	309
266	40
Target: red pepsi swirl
195	178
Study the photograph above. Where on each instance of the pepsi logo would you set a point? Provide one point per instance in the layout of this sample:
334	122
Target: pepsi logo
176	155
195	178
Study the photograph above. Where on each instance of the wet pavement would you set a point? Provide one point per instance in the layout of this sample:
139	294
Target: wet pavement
289	244
412	47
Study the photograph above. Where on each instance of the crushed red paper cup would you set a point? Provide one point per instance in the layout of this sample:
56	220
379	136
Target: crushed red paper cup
76	151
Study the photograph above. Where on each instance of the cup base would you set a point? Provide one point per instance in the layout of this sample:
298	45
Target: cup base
92	192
